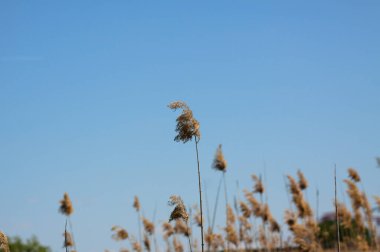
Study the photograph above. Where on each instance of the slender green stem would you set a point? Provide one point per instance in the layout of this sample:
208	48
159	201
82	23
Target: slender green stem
200	191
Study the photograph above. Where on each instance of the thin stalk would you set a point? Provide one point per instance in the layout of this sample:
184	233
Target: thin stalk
226	200
207	205
336	213
139	223
200	190
72	234
189	234
66	236
216	204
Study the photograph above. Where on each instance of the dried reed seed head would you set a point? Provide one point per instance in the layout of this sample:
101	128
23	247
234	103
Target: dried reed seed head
197	219
245	209
255	205
344	215
231	234
181	227
262	237
377	201
123	250
120	233
245	223
354	193
274	226
168	229
353	174
68	242
378	161
219	163
177	244
294	187
179	211
258	186
4	246
187	126
265	213
66	207
136	204
290	218
146	242
230	215
148	226
302	182
136	246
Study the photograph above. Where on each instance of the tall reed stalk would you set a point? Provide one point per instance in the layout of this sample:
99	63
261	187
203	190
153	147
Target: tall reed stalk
187	129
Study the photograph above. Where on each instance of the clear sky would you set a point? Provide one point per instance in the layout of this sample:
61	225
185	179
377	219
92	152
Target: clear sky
84	88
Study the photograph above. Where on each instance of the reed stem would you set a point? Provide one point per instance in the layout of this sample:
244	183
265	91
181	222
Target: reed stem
200	190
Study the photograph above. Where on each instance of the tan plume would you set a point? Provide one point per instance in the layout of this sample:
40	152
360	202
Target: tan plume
187	126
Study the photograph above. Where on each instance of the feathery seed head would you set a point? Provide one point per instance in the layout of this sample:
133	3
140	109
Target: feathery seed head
3	242
179	211
258	187
68	242
136	204
66	207
187	126
120	233
219	163
181	228
245	209
168	230
148	226
353	174
146	242
302	182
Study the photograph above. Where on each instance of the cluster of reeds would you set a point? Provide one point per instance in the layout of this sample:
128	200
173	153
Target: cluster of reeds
301	221
249	224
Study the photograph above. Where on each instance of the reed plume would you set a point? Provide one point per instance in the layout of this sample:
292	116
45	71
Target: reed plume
378	161
137	207
146	242
168	229
4	246
120	233
353	174
244	208
66	206
258	186
377	201
302	182
188	127
181	227
179	211
136	204
305	233
148	226
178	247
68	242
220	163
136	246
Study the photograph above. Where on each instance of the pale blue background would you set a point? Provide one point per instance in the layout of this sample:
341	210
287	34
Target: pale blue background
84	87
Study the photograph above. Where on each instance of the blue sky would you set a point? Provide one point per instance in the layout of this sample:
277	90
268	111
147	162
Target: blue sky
84	87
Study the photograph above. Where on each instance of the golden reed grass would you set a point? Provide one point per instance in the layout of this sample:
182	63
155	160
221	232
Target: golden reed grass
4	246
